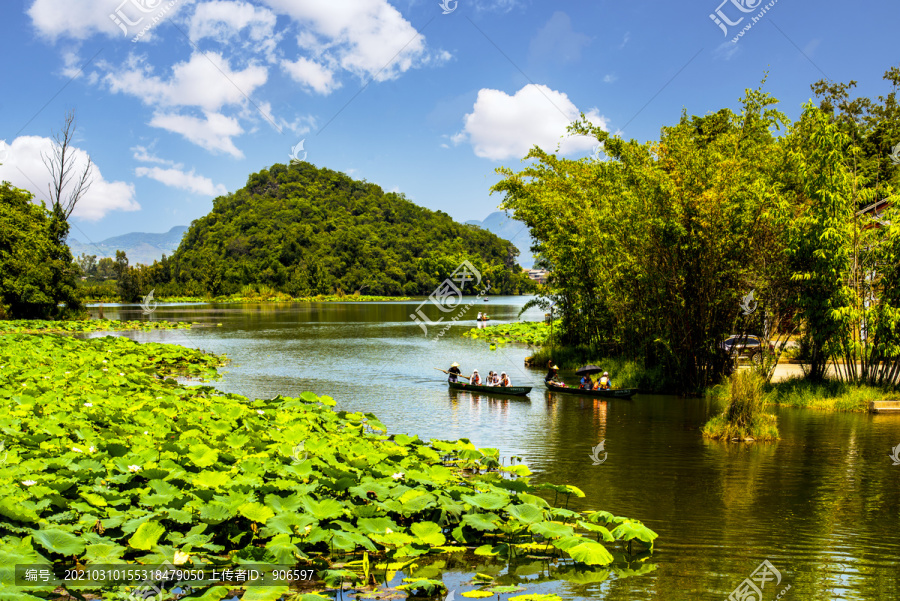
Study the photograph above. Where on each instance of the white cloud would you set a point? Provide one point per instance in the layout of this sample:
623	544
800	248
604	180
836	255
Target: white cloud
24	168
310	73
142	154
178	178
214	132
223	21
556	41
206	81
359	36
502	126
80	19
726	50
610	78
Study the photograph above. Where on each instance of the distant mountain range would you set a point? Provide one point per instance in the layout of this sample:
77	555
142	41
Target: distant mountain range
140	247
509	229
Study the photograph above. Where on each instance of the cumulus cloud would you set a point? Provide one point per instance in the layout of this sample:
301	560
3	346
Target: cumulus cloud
501	126
311	74
23	167
359	36
223	21
214	132
80	19
206	81
178	178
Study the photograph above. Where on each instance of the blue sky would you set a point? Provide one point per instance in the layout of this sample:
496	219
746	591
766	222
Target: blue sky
189	97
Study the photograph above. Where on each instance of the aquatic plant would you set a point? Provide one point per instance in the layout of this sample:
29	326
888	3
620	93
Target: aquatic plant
12	326
527	332
108	460
744	417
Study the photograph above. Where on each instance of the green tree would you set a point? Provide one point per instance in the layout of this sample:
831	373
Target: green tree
37	273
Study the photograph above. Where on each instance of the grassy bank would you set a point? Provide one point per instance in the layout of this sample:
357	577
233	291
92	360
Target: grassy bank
830	395
274	297
107	460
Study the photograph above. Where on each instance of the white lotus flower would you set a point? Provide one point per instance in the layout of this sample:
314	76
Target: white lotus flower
29	482
104	361
260	411
92	449
146	433
134	468
88	404
77	450
388	531
121	374
398	475
181	558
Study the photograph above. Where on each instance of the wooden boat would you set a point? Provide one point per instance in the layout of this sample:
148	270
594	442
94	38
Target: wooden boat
614	393
504	390
483	319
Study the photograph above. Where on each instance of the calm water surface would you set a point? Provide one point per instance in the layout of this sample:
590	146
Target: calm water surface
822	504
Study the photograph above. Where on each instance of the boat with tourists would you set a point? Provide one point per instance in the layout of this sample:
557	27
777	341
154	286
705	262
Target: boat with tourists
502	390
615	393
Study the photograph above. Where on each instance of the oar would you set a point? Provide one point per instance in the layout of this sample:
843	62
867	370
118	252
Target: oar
457	375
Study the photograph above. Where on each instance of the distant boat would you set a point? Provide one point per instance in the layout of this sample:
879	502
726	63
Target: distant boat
502	390
615	393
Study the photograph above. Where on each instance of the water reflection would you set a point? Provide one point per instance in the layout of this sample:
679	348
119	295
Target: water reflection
822	504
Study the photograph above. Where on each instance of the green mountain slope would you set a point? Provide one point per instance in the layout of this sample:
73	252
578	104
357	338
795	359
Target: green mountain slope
304	230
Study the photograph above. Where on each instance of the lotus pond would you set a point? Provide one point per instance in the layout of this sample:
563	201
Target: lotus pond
822	504
107	460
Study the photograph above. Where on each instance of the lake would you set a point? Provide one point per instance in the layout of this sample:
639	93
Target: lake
822	505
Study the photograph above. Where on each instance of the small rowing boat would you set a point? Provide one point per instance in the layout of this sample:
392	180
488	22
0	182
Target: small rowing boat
504	390
614	393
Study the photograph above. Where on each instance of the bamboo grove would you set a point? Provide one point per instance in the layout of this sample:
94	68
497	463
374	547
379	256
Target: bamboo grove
656	247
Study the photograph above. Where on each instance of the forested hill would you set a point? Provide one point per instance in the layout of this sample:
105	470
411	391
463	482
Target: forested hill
304	230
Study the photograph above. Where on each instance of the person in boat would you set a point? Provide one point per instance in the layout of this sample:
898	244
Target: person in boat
495	381
489	380
504	380
604	383
552	372
475	379
453	372
586	382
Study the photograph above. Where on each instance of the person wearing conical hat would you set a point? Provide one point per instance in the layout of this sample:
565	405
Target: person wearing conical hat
454	372
475	379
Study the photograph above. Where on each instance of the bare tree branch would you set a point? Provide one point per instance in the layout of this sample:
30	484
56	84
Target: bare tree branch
61	165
